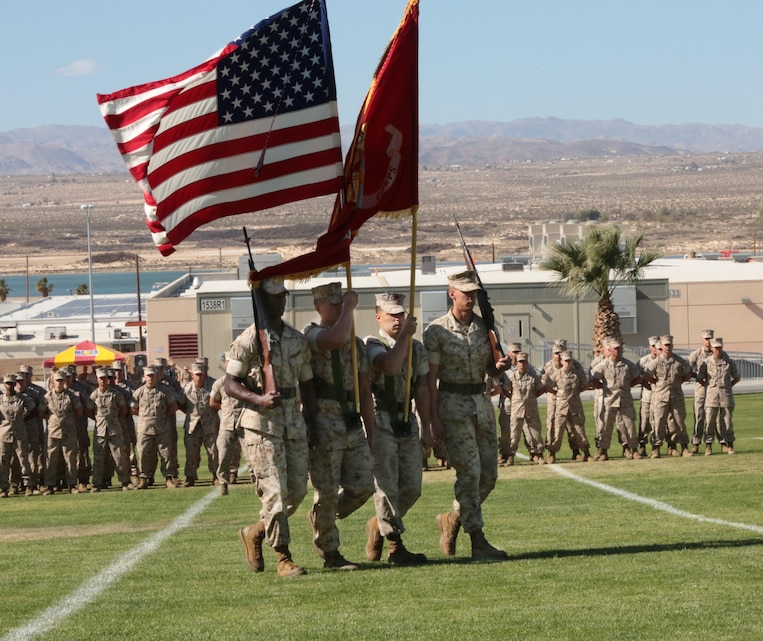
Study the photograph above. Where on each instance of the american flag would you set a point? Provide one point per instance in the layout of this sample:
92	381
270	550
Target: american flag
253	127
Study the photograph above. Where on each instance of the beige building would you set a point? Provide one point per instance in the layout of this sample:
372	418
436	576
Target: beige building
528	309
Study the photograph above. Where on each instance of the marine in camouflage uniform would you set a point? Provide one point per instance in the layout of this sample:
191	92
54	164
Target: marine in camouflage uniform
230	435
275	430
341	465
396	446
13	435
525	385
152	403
34	427
696	358
617	376
645	408
719	374
126	387
166	380
201	425
567	381
665	375
460	359
84	462
505	455
63	408
107	409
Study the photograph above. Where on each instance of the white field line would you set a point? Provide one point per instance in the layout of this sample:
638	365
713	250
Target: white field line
657	505
95	586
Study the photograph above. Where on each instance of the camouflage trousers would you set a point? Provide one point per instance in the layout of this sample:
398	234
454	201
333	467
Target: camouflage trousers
62	450
341	471
20	448
720	423
645	421
148	447
84	463
472	447
229	453
700	419
669	422
101	446
280	467
193	443
397	479
571	420
529	427
625	418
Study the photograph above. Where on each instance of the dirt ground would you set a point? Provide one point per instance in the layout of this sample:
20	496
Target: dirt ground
683	203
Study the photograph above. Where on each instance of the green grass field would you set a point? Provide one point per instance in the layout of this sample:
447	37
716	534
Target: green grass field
584	563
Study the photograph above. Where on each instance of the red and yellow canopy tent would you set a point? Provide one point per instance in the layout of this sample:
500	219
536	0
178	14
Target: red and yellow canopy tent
84	353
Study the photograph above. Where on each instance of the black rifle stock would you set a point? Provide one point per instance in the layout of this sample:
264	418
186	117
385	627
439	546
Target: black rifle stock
483	300
261	324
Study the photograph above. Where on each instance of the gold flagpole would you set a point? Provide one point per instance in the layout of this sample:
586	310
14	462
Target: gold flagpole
411	309
353	346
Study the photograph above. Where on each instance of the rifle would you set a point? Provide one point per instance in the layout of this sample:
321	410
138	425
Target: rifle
483	300
261	324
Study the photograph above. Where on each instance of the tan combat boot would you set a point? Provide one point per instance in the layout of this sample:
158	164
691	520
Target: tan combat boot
481	549
730	448
449	523
251	537
375	542
601	455
685	451
286	566
708	450
399	555
655	453
335	561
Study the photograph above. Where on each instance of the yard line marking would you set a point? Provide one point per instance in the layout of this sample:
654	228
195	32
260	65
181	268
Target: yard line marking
95	586
657	505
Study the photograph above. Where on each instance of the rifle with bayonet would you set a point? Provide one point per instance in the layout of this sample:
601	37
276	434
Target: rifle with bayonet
483	300
259	306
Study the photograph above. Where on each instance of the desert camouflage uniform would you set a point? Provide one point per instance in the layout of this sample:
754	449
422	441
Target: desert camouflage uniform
568	408
153	434
525	417
172	388
35	435
108	435
617	400
397	460
230	435
13	437
668	400
62	436
696	358
718	375
275	438
200	428
84	462
341	465
128	425
462	353
645	406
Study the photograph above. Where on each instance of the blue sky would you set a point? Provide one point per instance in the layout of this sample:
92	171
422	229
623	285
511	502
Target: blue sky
651	62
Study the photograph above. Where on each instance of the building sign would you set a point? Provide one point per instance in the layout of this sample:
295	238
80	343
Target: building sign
674	293
212	304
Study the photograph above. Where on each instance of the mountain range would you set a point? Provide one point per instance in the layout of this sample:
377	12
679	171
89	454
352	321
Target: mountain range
62	149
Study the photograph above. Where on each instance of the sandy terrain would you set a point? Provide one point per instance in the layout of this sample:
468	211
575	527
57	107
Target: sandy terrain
702	203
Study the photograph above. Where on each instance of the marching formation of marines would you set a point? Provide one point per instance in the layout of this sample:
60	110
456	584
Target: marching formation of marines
356	417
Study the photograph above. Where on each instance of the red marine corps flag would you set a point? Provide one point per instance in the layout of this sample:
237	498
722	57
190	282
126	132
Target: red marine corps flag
253	127
381	167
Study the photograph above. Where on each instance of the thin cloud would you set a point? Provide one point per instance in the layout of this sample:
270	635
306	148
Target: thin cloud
79	68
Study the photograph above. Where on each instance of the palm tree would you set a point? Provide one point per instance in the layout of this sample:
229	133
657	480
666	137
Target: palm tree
44	287
82	290
600	262
4	290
